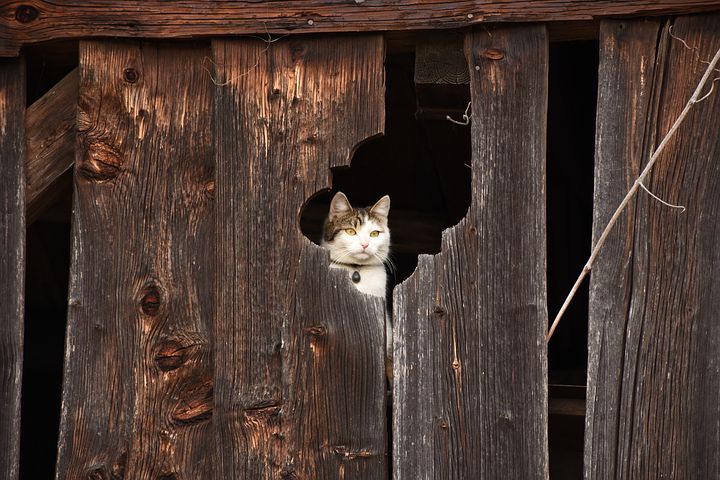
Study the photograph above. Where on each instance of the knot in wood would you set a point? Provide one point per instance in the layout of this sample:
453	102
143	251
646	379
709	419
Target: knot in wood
316	331
195	402
130	75
493	54
439	310
210	188
150	300
101	162
26	13
172	354
97	473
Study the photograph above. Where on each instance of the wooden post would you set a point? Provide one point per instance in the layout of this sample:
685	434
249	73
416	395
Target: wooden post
12	258
300	389
470	393
654	338
138	384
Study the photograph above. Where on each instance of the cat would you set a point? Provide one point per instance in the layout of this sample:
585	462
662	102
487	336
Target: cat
359	242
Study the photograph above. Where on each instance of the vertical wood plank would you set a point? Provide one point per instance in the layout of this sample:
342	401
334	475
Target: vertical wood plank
470	392
299	369
12	258
628	51
137	393
654	365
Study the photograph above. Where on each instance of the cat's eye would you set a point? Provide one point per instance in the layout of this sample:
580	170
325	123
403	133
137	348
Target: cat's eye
375	233
350	231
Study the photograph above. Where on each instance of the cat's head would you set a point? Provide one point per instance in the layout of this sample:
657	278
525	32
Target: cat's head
357	235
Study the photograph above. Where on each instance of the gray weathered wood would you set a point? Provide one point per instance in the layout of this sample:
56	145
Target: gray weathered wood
654	348
50	133
299	370
12	258
31	21
138	386
470	393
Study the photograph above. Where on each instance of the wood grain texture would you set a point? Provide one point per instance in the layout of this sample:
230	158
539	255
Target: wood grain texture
12	258
50	134
138	385
299	369
654	363
31	21
470	392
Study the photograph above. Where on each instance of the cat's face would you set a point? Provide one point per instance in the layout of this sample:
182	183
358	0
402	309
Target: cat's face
357	235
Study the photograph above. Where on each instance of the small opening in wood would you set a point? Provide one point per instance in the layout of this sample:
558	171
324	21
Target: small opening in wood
570	179
422	162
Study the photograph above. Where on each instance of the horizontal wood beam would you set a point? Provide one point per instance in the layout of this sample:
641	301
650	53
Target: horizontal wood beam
32	21
50	134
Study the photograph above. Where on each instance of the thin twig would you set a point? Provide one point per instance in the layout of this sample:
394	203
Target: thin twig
466	116
653	158
680	207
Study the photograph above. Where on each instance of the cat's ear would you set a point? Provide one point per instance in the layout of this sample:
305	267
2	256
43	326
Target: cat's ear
339	206
381	207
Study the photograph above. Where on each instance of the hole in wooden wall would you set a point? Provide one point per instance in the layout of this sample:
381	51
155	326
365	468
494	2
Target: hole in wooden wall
421	162
570	179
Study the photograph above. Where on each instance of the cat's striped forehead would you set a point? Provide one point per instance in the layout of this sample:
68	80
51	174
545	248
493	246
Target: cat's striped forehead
356	218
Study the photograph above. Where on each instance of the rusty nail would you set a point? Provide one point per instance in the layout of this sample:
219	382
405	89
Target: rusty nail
26	13
131	75
493	54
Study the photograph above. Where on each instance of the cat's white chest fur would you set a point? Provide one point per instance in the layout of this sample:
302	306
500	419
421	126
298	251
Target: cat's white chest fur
372	278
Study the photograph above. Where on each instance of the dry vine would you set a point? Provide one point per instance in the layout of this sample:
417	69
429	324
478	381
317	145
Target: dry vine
694	99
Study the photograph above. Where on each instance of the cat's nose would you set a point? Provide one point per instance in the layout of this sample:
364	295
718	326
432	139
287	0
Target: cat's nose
364	244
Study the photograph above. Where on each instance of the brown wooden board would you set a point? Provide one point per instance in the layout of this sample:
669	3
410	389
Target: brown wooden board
31	21
50	127
12	258
138	386
300	387
470	394
654	346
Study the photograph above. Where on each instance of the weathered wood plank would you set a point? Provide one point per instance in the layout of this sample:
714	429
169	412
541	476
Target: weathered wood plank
299	370
31	21
50	133
12	258
627	65
470	393
654	361
137	392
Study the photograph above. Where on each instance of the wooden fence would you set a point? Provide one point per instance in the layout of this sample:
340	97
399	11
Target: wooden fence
208	339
